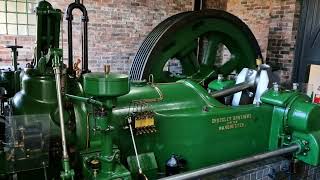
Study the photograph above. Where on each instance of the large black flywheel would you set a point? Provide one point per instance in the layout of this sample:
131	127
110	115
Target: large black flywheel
177	38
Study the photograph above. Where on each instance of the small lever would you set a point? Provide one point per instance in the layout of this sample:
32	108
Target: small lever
107	69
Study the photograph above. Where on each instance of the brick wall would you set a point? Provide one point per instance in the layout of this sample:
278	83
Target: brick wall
117	28
256	15
25	54
282	36
216	4
275	24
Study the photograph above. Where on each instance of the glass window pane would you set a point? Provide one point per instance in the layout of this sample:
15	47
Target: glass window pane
22	18
12	18
3	29
21	7
22	30
31	7
32	19
32	30
11	6
2	17
2	6
12	29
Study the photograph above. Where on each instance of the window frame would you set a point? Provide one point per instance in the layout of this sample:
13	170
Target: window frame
28	15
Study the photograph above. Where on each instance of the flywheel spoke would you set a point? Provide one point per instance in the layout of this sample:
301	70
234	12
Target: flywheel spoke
177	38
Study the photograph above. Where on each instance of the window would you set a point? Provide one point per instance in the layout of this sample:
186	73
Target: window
17	17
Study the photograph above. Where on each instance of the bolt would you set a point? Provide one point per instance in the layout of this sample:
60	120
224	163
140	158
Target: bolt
295	86
276	87
220	77
205	109
288	138
304	142
258	103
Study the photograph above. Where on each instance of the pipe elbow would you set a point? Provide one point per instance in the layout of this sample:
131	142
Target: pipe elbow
79	6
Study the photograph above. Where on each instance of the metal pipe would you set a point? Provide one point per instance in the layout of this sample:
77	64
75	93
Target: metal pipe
57	73
70	55
134	145
232	90
221	167
197	5
85	63
84	99
85	20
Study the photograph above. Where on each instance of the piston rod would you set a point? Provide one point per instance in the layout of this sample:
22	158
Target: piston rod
237	88
221	167
59	98
67	172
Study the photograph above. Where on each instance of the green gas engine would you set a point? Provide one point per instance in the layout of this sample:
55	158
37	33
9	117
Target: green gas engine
181	113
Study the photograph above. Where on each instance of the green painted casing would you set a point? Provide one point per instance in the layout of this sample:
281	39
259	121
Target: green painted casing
49	36
106	85
189	122
119	171
295	119
217	85
304	116
184	111
10	81
310	153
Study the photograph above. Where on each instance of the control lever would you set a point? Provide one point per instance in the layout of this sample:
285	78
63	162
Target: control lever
68	173
140	175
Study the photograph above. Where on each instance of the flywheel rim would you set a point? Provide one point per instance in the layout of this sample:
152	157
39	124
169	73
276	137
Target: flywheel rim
145	60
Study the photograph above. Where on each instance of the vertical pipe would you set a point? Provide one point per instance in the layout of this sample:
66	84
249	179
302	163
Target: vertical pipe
70	53
106	141
198	6
15	56
85	19
85	68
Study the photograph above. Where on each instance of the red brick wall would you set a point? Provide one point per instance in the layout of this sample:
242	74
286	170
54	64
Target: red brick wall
256	15
282	35
274	23
117	28
216	4
25	54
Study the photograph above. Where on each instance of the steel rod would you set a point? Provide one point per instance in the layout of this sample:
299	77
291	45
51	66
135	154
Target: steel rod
134	146
221	167
226	92
59	98
84	99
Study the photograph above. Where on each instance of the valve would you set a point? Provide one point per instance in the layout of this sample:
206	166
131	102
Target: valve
14	52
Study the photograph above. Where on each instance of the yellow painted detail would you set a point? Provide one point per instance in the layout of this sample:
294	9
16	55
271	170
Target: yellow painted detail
147	122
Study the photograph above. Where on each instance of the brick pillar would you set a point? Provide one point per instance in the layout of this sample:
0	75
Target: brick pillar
284	17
